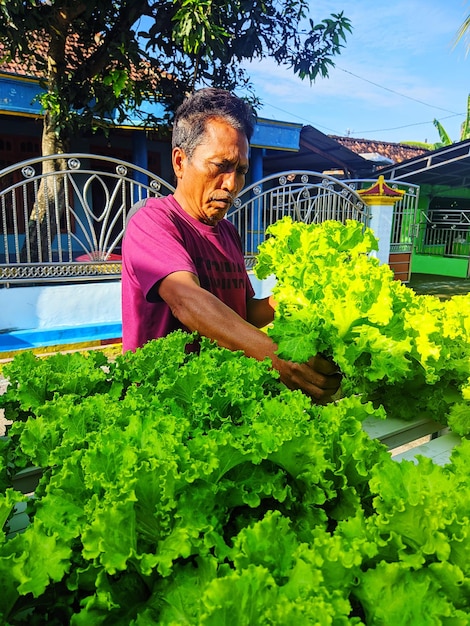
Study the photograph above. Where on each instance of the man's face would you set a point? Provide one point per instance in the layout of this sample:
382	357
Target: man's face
209	182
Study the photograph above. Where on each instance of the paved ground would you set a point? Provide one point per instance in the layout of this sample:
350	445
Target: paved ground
441	286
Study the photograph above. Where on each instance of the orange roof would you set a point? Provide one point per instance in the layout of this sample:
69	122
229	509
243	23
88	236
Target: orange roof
30	69
396	152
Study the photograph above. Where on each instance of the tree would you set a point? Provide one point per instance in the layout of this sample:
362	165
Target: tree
83	54
92	57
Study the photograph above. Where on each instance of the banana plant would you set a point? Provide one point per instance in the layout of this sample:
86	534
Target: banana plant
445	140
465	128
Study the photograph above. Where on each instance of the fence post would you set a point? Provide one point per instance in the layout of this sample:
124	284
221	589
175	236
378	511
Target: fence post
381	199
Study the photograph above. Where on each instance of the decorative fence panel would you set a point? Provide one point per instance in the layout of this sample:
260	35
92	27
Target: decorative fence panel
63	217
444	233
404	213
304	196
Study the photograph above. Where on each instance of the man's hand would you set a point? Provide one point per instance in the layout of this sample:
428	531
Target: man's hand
199	310
318	378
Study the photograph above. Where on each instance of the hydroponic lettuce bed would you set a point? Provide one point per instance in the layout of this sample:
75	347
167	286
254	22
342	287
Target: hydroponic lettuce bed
184	488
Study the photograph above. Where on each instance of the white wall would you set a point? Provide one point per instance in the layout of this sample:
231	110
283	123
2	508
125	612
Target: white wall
263	288
55	306
23	308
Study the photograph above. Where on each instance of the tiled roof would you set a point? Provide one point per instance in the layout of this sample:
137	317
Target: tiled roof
395	152
18	68
30	69
27	67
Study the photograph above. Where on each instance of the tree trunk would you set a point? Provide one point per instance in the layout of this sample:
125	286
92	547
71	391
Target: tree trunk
49	202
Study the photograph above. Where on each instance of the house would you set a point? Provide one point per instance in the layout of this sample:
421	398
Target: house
78	302
276	147
442	226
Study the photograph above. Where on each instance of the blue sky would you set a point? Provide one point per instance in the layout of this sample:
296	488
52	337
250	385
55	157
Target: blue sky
397	72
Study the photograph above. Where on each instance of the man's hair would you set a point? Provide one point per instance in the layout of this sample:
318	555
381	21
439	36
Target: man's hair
206	104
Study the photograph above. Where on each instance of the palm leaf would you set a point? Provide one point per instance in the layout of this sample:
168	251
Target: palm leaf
463	32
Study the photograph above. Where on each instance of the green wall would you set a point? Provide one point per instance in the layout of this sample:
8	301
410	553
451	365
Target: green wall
439	266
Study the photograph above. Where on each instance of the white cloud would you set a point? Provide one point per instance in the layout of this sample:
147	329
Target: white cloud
404	47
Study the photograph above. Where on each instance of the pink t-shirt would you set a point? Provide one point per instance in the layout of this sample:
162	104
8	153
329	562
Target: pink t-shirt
162	238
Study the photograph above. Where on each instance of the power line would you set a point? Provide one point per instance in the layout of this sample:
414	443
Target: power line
300	118
402	95
377	130
397	93
362	132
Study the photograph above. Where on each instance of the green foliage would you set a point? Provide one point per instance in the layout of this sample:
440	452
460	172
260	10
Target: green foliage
193	488
444	137
462	32
76	48
109	56
195	30
459	414
410	353
465	130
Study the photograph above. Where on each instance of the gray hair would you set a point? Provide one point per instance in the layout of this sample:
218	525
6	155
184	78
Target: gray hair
207	104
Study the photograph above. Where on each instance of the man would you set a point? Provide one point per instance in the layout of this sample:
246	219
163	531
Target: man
183	265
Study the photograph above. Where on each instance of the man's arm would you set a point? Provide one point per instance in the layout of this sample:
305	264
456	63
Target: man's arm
260	312
201	311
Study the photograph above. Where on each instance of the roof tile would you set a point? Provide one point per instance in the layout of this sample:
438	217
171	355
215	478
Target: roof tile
396	152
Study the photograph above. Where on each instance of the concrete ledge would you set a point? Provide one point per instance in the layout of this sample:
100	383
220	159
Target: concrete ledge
90	334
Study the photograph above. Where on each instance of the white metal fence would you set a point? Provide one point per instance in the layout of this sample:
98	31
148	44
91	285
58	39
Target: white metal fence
444	232
309	197
63	217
